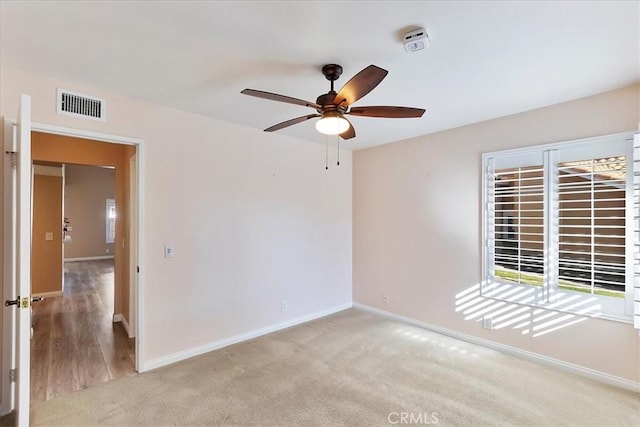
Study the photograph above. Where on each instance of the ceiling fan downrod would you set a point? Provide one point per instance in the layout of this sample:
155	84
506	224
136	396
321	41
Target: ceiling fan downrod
332	72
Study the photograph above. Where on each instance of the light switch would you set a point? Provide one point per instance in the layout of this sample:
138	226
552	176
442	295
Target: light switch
168	251
48	235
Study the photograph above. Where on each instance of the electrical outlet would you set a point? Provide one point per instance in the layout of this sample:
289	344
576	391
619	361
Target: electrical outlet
169	251
487	322
385	298
284	305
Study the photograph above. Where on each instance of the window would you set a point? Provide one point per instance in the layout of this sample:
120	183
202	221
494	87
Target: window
560	226
111	220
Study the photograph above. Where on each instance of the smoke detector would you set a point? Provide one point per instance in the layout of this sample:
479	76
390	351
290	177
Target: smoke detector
416	40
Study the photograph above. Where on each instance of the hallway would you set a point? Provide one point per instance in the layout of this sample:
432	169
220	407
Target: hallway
75	343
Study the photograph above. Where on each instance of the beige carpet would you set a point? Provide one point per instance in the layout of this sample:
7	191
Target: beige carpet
349	369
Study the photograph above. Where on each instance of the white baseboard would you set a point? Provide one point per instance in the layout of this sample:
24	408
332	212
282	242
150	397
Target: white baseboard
535	357
120	318
88	258
52	294
215	345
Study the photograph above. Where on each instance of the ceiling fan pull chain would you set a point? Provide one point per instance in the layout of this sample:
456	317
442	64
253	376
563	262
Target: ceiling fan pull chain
326	152
338	145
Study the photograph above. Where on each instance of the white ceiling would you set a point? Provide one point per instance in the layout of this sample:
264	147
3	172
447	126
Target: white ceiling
486	60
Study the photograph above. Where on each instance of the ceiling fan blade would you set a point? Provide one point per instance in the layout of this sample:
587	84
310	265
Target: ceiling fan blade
360	85
349	133
291	122
281	98
388	112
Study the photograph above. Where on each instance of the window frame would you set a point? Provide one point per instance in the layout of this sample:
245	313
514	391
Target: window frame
547	296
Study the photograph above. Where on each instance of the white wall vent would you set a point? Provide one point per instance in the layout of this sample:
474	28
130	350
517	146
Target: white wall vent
78	105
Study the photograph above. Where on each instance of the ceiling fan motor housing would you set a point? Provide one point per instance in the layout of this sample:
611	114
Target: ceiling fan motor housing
327	101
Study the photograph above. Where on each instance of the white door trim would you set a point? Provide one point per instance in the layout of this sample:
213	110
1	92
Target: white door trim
86	134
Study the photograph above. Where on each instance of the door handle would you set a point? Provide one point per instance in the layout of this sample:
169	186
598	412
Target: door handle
10	302
16	302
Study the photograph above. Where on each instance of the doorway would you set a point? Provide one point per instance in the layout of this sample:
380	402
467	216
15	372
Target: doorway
87	334
17	216
76	343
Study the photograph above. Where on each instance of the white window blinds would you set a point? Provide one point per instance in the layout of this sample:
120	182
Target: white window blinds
591	232
518	229
110	221
562	222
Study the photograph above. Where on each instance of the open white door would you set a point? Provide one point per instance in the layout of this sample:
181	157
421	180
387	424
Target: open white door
9	290
17	265
23	276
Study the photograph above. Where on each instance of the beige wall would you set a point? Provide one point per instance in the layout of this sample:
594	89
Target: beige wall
254	218
417	228
85	193
46	255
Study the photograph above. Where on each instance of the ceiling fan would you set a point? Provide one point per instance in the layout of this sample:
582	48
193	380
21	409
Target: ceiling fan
332	107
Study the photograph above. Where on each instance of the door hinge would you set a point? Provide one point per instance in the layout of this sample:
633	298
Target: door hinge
14	158
138	268
12	375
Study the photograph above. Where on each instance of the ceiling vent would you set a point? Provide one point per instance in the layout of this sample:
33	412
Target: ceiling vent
78	105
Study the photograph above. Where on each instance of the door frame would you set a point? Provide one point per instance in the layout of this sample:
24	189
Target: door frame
136	286
136	281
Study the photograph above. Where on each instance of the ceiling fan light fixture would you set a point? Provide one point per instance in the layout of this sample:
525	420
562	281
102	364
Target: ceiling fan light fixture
332	125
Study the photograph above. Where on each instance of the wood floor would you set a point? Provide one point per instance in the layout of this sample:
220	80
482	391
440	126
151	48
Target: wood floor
75	343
